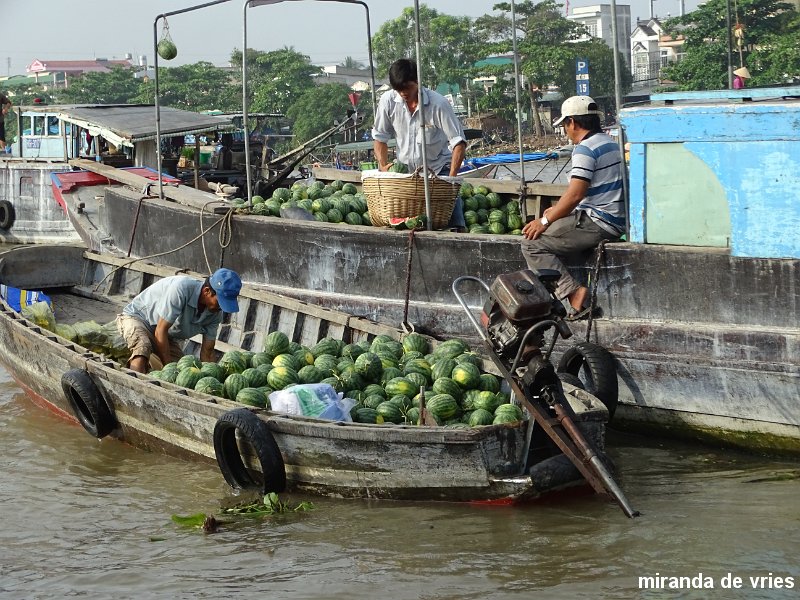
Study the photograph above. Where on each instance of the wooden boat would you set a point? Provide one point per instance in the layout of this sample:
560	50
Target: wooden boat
489	463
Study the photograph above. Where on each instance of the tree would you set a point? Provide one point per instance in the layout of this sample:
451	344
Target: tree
545	49
117	86
197	87
448	47
351	63
277	79
770	30
318	108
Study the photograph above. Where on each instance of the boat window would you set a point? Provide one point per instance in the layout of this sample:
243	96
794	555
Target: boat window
26	125
38	125
52	125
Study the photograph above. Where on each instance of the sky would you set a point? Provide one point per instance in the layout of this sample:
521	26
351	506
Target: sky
328	32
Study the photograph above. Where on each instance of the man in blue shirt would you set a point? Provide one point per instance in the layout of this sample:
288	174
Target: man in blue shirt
177	308
592	208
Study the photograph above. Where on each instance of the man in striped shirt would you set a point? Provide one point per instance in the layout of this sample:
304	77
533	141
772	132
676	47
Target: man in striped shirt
592	208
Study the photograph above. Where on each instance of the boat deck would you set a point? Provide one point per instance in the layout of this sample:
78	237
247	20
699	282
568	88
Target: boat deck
71	307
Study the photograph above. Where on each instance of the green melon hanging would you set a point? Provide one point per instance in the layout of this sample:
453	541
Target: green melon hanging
166	47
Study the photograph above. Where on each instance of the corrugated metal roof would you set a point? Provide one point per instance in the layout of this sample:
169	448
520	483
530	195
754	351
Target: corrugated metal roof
128	124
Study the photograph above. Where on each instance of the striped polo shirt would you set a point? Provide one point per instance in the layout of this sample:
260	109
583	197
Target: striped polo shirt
597	160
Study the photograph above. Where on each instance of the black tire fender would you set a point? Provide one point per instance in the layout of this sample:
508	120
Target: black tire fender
7	214
257	435
595	367
87	403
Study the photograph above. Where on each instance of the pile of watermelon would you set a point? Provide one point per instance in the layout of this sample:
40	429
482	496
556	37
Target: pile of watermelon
383	376
486	212
333	203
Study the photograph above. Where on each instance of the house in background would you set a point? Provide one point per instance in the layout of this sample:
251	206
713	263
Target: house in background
652	50
57	73
597	20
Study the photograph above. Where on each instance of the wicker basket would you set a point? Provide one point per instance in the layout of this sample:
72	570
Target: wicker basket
395	195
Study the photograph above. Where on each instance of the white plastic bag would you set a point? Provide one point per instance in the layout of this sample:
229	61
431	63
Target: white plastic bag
318	400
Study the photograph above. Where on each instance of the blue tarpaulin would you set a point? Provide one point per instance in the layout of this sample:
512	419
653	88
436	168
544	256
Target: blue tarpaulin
500	159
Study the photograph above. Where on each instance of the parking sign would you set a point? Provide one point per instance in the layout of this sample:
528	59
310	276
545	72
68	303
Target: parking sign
582	87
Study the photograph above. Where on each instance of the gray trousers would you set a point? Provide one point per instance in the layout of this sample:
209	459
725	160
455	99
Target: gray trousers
574	234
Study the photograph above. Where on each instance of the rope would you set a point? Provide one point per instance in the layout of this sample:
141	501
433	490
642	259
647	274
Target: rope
601	248
225	233
203	232
406	326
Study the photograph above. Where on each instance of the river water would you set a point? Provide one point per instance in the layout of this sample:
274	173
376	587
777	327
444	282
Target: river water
81	517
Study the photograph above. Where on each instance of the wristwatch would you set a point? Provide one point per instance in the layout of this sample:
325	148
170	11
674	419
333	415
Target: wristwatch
544	221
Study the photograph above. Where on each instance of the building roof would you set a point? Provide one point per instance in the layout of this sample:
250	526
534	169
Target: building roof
75	66
495	61
127	124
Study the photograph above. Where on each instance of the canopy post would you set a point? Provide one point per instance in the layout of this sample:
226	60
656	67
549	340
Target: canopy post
523	187
421	110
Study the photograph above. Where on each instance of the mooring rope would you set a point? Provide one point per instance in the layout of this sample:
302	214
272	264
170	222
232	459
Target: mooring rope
601	248
406	326
203	232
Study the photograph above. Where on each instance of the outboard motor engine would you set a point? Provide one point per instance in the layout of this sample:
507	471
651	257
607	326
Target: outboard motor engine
517	303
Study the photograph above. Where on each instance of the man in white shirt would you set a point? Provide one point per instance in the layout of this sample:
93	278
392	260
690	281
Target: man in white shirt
397	117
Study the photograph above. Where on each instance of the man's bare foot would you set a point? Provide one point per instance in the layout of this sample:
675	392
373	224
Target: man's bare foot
578	298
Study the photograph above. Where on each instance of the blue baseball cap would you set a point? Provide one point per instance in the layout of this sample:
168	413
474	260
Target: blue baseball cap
227	284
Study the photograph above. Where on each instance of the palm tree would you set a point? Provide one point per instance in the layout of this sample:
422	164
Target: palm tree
351	63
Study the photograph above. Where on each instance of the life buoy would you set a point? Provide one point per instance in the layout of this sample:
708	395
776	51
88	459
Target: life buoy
7	214
257	435
595	367
87	403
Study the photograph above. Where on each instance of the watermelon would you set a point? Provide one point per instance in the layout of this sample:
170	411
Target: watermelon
286	360
469	357
503	398
514	221
390	412
369	366
334	382
310	374
320	216
497	228
281	377
233	362
504	417
470	218
352	351
466	190
400	385
366	415
417	379
412	415
414	342
466	375
188	377
351	379
478	229
469	399
509	409
265	368
486	401
494	200
209	385
254	377
445	385
252	397
345	363
480	417
168	373
293	347
451	348
375	389
387	359
489	383
352	218
326	365
188	361
442	368
304	357
418	365
442	406
334	215
404	402
349	188
276	343
390	373
325	346
247	356
167	49
155	374
233	384
357	395
366	219
261	358
471	204
373	400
